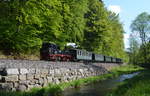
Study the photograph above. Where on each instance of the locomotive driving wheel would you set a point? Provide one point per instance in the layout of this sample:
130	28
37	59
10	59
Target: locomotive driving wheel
67	59
58	59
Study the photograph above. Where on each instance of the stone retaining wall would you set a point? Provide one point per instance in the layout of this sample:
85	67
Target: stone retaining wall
21	79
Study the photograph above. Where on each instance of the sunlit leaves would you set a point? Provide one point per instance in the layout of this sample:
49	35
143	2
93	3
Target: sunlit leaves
25	24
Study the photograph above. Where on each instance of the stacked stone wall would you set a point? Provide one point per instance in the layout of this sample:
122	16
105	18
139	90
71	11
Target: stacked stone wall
18	77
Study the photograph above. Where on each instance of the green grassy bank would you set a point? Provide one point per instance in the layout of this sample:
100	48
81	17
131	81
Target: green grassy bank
137	86
55	90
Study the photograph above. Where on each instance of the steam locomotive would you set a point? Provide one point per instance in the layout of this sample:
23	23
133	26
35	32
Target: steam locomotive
52	52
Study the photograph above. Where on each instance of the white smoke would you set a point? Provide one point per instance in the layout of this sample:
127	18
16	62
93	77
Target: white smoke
114	8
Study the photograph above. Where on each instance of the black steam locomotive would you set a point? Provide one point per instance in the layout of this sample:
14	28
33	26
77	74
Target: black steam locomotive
52	52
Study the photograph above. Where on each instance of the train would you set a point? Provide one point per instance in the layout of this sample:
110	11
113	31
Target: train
52	52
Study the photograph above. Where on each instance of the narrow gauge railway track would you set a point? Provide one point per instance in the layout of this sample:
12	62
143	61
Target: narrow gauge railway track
7	63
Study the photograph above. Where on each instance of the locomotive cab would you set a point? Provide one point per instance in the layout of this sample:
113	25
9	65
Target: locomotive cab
52	52
48	49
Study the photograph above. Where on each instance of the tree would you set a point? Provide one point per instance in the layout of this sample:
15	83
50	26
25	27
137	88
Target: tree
116	32
103	31
141	26
73	19
96	25
25	24
133	50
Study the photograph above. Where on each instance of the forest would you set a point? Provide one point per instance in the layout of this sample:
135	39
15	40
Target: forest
26	24
139	51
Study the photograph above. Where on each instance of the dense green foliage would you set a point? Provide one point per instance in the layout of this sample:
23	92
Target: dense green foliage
137	86
25	24
139	40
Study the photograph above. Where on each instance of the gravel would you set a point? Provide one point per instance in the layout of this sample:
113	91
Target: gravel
28	64
40	64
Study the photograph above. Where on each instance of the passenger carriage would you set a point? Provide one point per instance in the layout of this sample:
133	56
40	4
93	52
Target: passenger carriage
79	54
98	57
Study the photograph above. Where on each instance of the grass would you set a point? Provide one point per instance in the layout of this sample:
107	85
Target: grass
125	69
22	56
55	90
137	86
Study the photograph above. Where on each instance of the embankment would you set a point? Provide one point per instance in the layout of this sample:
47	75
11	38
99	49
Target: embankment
21	75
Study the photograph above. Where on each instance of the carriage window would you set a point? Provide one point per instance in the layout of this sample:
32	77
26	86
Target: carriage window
78	52
90	54
83	53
